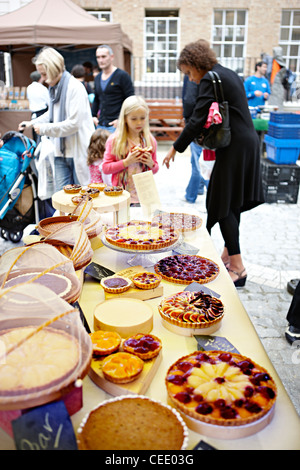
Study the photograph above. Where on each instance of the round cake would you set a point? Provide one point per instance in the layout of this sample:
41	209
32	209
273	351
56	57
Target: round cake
113	190
116	425
141	235
105	342
184	269
115	284
146	280
191	309
179	221
72	188
40	362
122	367
220	388
144	346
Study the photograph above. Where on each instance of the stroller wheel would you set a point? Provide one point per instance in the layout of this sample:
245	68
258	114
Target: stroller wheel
4	234
15	237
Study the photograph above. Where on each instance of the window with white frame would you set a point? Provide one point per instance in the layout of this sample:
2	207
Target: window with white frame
229	37
161	44
290	39
102	15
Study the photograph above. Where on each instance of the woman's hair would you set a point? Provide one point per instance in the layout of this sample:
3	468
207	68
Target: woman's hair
130	104
52	60
197	54
96	146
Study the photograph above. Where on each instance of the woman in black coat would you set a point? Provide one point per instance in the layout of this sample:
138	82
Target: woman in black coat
235	184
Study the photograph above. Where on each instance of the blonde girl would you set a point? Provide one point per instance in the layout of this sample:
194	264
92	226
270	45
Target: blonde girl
132	148
95	156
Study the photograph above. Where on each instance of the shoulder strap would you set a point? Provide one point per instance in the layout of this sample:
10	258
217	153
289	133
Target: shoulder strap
215	78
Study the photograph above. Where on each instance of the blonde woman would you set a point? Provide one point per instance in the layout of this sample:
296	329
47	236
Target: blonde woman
132	148
68	122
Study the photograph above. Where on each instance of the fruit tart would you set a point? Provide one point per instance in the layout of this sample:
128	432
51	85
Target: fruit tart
99	186
92	192
221	388
115	284
146	280
180	221
113	190
184	269
105	342
122	367
72	188
78	199
144	346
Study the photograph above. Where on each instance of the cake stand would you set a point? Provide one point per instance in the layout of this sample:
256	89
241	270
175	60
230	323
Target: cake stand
145	258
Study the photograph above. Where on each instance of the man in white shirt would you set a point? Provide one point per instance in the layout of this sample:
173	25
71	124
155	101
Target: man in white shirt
38	97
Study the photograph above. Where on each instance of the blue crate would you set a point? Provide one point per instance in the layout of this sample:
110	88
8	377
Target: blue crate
282	150
284	131
285	118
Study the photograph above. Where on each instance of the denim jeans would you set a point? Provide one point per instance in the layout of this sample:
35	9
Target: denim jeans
64	172
110	129
197	182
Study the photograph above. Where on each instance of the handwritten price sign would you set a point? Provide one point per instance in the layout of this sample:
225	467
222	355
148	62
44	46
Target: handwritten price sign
46	427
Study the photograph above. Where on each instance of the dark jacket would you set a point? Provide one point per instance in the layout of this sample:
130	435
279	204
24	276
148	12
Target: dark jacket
109	101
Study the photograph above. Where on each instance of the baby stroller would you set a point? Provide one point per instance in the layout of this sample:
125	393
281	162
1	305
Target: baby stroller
18	195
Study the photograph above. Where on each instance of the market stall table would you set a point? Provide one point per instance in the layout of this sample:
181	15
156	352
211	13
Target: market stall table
236	328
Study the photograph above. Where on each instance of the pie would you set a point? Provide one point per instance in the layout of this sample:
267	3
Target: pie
144	346
184	269
113	190
115	284
132	423
191	309
220	388
146	280
122	367
78	199
42	361
72	188
180	221
100	186
105	342
92	192
141	235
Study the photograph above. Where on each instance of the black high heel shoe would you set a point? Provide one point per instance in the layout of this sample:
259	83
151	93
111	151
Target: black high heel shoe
241	280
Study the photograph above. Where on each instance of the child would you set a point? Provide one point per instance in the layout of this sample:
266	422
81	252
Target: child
132	148
95	156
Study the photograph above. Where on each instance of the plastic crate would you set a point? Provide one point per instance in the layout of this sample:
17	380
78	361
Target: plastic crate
284	131
274	174
285	118
281	193
282	150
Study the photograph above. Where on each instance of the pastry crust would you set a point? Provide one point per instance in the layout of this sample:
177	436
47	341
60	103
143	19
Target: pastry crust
184	269
145	347
92	192
122	367
72	188
141	235
100	186
180	221
115	284
146	280
113	190
78	199
105	342
221	388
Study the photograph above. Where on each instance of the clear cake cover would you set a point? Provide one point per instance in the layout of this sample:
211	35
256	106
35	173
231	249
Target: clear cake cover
90	219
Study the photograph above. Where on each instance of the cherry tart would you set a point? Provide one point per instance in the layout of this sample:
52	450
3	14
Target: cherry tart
146	280
184	269
72	188
191	309
105	342
220	388
78	199
122	367
92	192
113	190
145	347
180	221
141	235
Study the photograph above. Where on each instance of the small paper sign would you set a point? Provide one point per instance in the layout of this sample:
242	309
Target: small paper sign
214	343
196	287
147	192
184	248
46	427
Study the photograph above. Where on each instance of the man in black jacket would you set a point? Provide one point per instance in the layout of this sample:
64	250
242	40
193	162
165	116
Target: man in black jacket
112	87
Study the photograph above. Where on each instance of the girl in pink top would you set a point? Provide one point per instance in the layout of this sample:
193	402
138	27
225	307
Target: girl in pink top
131	148
95	156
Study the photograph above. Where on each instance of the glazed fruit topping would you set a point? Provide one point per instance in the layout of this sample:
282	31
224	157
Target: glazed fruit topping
143	345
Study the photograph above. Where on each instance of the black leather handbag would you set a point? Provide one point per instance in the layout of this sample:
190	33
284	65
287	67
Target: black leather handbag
217	135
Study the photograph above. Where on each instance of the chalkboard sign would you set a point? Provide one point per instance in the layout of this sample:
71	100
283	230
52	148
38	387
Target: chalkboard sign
97	271
46	427
214	343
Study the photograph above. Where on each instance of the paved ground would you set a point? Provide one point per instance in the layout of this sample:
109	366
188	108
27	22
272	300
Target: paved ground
270	241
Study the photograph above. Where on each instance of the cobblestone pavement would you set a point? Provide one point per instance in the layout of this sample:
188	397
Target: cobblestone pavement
270	241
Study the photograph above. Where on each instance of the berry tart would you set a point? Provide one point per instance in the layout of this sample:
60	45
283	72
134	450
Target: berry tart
180	221
191	310
145	347
146	280
220	388
78	199
99	186
113	190
115	284
72	188
122	367
92	192
184	269
105	342
141	235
